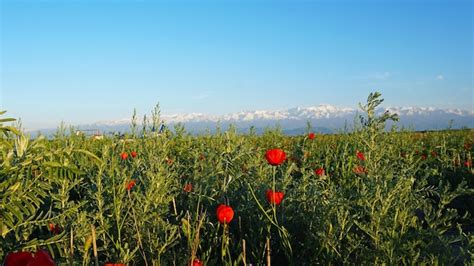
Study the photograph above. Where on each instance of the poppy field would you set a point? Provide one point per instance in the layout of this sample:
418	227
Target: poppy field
369	196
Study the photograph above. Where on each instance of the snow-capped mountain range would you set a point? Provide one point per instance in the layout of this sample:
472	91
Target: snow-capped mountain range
324	118
324	111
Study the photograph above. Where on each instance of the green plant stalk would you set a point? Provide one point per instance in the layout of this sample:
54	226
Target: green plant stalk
142	250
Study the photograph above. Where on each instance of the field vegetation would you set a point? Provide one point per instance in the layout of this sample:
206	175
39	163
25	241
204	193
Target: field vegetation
368	196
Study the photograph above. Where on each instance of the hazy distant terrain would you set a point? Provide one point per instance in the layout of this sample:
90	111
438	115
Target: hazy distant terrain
323	118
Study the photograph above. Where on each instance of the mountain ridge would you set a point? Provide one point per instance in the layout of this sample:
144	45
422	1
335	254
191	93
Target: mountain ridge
315	112
324	118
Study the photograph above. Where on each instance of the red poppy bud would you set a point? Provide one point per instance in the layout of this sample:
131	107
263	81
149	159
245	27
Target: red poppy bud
124	156
275	156
360	155
134	154
311	135
274	197
319	171
224	213
131	184
188	187
55	229
359	170
197	262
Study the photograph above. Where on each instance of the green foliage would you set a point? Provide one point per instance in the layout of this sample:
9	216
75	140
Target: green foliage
410	201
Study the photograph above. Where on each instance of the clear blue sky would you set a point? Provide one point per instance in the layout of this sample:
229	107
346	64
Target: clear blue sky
85	61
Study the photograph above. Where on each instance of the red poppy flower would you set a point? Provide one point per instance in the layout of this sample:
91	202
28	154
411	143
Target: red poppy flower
468	163
434	154
124	155
274	197
319	171
188	187
311	135
360	155
18	258
131	184
359	170
275	156
41	258
55	229
423	156
134	154
197	262
224	213
169	161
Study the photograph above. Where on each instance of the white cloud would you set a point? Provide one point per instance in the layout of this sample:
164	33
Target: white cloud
440	77
384	75
204	95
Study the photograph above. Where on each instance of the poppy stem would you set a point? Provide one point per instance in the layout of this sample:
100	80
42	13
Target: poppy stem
94	246
269	261
244	256
174	208
71	254
274	190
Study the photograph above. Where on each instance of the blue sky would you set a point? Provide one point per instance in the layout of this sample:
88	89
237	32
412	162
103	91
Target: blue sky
86	61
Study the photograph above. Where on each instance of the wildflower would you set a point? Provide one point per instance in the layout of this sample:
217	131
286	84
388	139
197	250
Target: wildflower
359	170
188	187
434	154
197	262
40	258
360	155
319	171
274	197
468	163
224	213
18	258
55	229
124	156
311	135
275	156
131	184
134	154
